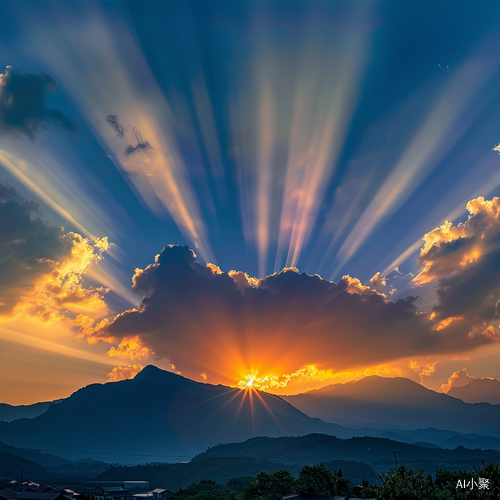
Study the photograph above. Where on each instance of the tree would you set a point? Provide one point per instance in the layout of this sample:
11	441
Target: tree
270	486
317	480
206	489
402	484
239	483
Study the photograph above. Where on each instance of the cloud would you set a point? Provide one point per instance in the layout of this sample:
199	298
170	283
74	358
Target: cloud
457	379
131	349
8	192
123	373
463	262
377	280
22	104
206	320
424	370
41	267
141	147
113	121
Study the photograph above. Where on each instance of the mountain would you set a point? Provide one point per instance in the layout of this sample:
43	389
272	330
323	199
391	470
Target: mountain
396	402
9	412
11	465
479	390
157	416
44	459
378	452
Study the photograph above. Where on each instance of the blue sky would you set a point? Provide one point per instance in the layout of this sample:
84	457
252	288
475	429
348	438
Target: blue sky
327	136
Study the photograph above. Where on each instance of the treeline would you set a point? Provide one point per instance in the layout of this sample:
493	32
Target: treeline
398	484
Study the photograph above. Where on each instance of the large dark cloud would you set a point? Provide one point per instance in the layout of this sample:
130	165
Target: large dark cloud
23	109
198	316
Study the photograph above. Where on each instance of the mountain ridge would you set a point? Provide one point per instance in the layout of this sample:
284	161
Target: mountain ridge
396	402
479	390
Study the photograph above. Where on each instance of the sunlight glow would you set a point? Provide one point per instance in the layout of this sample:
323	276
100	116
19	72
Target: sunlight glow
290	116
436	136
103	66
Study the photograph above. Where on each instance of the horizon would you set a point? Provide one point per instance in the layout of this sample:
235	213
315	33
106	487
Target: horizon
274	195
245	387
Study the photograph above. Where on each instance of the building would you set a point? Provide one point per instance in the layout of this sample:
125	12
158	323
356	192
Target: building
28	490
112	493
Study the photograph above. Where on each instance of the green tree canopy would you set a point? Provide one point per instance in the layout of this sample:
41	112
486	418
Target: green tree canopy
318	480
270	486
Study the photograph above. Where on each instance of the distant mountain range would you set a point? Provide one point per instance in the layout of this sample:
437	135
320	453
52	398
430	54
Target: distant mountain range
377	452
396	403
315	448
159	416
9	412
479	390
11	465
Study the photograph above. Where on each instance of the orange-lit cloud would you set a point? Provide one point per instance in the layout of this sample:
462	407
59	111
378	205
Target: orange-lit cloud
445	322
381	284
461	262
306	374
123	373
131	348
424	370
42	268
448	248
60	294
457	379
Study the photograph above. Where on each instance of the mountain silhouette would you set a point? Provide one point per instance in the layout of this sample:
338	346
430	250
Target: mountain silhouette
479	390
157	416
396	402
316	448
10	412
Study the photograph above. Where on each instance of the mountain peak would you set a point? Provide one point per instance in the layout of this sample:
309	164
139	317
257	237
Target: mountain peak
152	373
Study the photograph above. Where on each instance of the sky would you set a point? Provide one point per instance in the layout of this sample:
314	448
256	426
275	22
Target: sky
288	194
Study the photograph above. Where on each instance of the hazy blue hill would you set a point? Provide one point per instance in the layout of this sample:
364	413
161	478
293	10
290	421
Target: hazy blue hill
157	416
479	390
323	448
476	442
8	413
221	469
395	402
45	459
11	465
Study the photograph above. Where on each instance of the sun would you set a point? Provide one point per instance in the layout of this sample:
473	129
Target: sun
251	381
